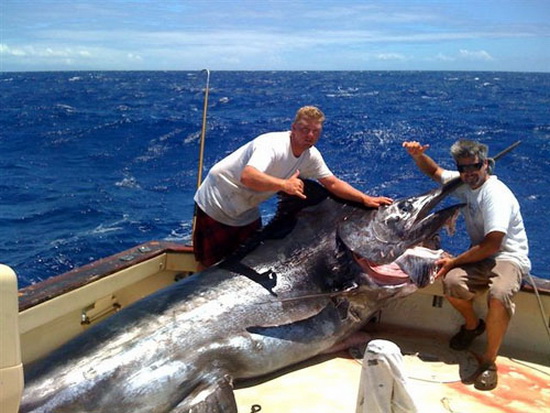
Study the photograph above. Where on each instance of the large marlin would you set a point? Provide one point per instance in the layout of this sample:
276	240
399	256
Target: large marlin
309	280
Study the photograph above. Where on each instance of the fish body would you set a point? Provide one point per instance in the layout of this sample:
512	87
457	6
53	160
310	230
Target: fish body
274	303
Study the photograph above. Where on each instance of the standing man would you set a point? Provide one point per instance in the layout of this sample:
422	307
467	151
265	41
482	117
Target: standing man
496	260
228	199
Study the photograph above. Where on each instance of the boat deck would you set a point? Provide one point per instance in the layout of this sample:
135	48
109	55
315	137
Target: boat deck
330	383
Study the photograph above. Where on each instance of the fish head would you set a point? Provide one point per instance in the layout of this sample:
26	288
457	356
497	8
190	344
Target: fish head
383	241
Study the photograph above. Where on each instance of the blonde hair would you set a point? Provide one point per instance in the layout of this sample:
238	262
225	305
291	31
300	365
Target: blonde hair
309	113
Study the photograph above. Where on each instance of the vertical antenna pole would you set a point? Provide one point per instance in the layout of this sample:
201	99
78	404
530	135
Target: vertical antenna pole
203	131
201	149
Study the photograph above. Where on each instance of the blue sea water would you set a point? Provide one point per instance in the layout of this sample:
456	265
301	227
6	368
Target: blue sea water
94	163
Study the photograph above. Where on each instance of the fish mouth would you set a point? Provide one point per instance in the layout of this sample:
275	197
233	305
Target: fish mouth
384	274
416	266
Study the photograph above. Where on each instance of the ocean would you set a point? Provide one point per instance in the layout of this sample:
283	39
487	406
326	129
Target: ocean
94	163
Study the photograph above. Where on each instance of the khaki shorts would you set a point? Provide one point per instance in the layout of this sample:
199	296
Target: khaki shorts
501	278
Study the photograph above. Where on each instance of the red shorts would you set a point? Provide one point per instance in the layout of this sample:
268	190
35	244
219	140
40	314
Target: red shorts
213	241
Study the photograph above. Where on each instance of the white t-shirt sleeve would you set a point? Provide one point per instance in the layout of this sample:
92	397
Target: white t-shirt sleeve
497	210
447	176
262	156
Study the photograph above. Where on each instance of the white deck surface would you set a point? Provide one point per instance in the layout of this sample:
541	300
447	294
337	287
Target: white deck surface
330	385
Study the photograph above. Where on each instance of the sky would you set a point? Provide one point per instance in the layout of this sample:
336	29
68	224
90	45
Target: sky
480	35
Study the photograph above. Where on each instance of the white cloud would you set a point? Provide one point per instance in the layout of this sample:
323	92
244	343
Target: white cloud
390	56
6	50
45	52
463	54
475	55
259	38
444	58
378	14
135	57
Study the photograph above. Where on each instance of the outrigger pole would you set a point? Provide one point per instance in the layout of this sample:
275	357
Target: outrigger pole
203	138
203	131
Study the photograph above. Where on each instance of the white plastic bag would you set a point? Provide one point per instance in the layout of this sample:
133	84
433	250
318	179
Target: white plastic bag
383	385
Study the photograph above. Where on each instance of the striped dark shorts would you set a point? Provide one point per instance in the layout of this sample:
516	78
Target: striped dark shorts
213	241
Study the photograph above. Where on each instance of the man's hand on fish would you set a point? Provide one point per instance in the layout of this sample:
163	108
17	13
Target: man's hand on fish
375	202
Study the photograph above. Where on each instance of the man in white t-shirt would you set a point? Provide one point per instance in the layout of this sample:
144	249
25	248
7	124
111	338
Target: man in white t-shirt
497	258
228	199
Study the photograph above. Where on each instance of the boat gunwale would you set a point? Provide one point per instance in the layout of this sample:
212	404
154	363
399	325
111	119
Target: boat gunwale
55	286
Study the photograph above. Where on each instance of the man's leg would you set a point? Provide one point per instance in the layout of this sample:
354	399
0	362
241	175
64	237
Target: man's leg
466	308
214	241
504	284
497	324
460	288
498	317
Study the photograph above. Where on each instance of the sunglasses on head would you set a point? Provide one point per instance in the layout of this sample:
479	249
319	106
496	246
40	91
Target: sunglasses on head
471	167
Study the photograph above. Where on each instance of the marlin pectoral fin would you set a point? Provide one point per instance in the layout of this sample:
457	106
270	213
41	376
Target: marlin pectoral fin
303	330
285	314
214	394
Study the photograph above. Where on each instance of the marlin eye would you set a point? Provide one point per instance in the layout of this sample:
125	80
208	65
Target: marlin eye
393	220
406	206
